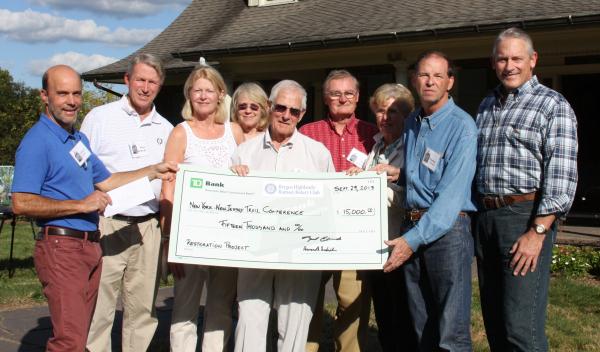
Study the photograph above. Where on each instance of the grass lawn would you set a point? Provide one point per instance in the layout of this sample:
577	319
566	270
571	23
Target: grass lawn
23	288
573	312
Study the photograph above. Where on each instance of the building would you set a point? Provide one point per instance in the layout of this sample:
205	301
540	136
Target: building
268	40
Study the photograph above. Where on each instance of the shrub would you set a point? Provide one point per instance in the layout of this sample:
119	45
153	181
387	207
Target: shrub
594	261
570	260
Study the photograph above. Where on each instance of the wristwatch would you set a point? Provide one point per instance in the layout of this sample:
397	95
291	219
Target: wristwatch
540	229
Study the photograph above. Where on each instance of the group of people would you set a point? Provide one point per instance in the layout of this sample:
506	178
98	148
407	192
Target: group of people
458	187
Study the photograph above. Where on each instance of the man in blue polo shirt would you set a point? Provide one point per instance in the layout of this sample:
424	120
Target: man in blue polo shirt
61	183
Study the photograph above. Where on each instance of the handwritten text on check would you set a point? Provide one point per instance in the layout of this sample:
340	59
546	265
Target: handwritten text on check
309	221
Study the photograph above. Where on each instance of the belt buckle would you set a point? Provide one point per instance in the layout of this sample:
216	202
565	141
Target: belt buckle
413	215
498	202
492	202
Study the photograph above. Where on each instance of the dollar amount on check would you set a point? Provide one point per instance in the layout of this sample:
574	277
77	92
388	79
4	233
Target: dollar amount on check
308	221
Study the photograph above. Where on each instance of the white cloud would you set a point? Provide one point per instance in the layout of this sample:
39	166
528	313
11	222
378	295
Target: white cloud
115	8
80	62
30	26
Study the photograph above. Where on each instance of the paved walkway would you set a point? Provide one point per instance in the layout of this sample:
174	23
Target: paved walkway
579	235
26	330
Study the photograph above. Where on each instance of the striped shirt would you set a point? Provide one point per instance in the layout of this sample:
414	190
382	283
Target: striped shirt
528	144
124	142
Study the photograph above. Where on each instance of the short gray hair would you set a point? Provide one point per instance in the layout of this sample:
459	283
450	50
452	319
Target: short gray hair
291	85
514	33
338	74
148	59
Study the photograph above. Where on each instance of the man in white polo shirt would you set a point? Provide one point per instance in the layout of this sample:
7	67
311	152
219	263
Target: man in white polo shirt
128	134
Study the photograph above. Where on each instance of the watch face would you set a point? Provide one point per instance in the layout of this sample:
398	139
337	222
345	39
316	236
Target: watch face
540	229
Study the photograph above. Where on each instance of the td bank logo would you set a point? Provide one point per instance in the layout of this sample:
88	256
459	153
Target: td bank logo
196	183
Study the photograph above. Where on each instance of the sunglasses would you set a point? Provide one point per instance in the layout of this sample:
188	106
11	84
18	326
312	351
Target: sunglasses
280	109
244	106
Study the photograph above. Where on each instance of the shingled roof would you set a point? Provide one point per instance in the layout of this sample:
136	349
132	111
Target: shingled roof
214	28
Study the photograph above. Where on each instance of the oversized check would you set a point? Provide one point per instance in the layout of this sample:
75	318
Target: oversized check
308	221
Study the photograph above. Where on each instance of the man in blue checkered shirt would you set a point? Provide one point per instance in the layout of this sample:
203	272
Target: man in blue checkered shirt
526	178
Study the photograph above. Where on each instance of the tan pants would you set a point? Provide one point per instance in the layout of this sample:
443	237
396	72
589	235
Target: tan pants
130	267
291	292
218	311
351	324
221	287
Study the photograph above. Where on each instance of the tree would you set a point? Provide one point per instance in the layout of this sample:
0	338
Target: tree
93	97
20	107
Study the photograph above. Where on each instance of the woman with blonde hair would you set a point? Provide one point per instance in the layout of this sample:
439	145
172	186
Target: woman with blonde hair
249	109
205	138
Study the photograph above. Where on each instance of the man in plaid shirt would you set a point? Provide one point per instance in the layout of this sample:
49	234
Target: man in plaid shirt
526	178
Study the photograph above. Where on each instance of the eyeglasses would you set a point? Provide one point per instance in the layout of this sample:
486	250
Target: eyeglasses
280	109
244	106
349	94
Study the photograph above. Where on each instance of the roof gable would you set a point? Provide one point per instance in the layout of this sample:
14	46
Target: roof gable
220	27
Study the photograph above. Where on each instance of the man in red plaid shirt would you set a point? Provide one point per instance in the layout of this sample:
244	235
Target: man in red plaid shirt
341	132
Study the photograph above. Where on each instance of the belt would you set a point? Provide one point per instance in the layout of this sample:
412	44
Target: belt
92	236
491	201
135	219
415	215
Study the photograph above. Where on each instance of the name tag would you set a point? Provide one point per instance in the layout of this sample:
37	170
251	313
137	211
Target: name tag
357	158
431	159
138	149
80	153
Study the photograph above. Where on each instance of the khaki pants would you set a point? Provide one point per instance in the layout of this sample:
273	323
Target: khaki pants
130	266
218	311
221	287
186	302
352	315
291	292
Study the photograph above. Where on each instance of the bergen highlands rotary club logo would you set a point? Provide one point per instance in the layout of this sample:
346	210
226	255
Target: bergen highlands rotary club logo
270	188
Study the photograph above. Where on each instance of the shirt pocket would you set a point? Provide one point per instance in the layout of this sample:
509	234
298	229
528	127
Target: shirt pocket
523	137
432	177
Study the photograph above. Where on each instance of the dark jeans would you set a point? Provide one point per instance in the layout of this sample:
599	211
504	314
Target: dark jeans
514	307
395	330
69	270
438	282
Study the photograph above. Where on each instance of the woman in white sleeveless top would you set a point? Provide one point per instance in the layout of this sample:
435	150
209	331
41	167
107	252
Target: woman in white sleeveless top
205	138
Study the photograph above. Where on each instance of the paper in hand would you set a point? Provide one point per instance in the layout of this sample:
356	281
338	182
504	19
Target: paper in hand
129	195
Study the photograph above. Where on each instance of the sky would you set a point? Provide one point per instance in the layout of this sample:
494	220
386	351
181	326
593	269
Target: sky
85	34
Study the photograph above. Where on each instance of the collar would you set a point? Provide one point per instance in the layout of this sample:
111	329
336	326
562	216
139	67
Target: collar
390	152
378	138
350	126
58	131
525	88
267	141
435	119
130	111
